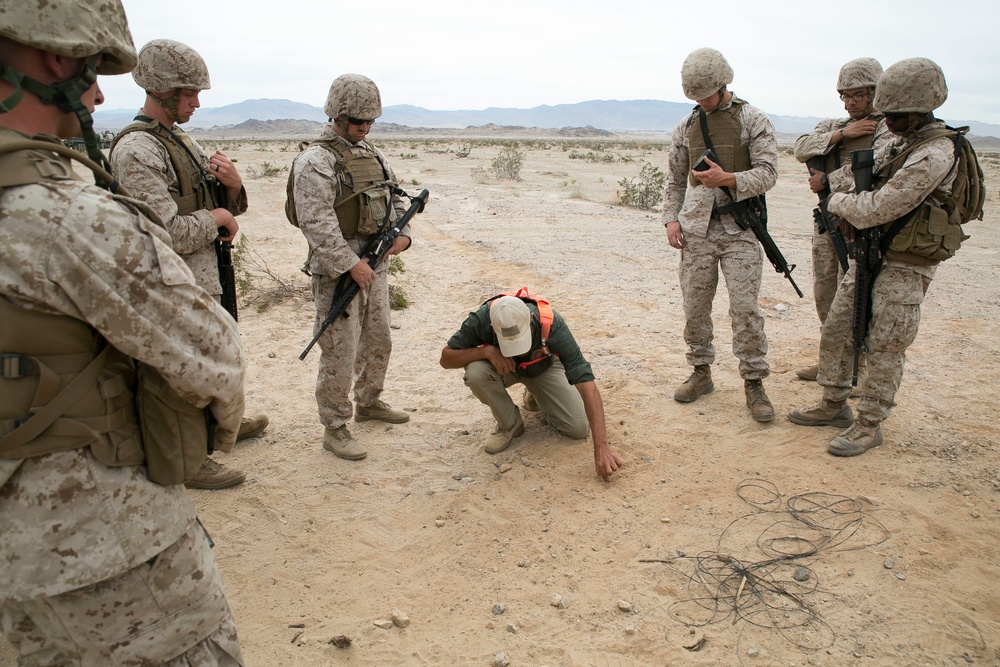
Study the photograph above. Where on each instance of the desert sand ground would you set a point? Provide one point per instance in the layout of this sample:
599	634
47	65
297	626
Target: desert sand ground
678	560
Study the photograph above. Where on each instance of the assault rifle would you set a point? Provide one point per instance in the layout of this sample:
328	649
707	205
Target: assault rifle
867	260
828	223
376	248
752	214
227	274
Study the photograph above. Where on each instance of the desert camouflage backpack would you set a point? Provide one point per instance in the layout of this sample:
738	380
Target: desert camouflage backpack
935	233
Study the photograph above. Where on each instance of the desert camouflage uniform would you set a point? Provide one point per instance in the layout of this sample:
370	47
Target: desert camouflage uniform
98	565
356	347
714	243
899	288
826	266
141	163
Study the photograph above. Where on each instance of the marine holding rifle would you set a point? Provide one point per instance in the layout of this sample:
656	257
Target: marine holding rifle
698	215
913	176
196	196
341	192
827	149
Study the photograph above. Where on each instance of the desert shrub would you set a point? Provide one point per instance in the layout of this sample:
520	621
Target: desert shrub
397	298
508	163
646	192
256	284
396	265
463	151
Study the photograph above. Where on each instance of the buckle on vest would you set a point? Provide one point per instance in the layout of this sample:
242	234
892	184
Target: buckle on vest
14	366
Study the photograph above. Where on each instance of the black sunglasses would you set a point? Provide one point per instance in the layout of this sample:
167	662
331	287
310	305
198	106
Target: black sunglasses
359	121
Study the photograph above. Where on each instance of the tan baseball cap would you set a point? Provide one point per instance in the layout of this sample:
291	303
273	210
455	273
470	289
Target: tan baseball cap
511	322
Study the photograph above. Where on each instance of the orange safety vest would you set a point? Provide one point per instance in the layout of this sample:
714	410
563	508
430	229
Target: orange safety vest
544	317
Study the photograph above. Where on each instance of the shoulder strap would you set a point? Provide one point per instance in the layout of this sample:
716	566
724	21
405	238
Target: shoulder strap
36	145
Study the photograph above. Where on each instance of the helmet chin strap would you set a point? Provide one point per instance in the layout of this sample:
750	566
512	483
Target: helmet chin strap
169	104
68	96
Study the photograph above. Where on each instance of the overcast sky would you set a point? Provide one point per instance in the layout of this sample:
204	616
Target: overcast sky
462	55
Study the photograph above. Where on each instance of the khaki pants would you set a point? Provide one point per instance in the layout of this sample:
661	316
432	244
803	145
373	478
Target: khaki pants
558	400
170	611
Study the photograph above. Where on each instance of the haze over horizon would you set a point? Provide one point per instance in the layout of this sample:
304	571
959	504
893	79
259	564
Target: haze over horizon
450	55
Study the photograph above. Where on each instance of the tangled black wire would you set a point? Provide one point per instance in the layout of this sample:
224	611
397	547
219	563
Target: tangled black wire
771	592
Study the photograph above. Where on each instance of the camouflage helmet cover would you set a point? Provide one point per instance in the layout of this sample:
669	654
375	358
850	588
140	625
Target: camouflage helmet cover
914	85
165	65
859	73
704	72
74	28
353	95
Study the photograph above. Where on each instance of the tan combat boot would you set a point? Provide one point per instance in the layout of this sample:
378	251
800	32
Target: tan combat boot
760	406
856	440
827	413
529	402
251	427
809	373
214	475
501	439
698	384
339	441
380	411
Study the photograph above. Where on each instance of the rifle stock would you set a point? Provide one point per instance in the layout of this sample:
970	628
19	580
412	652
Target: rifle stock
867	261
376	248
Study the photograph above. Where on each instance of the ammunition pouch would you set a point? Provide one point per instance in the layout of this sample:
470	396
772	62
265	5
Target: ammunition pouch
176	435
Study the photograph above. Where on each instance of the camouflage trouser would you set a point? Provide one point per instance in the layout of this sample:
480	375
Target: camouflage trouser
558	400
826	272
355	348
169	611
740	258
896	298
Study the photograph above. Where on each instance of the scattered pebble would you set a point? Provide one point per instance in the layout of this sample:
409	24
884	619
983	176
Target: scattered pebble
499	608
340	641
801	574
400	619
664	519
559	601
526	462
383	623
368	481
625	606
500	660
680	553
901	576
888	563
505	467
439	523
753	652
511	628
463	433
974	514
271	355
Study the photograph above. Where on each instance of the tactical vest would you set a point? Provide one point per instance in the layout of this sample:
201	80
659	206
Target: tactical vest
199	190
64	388
724	128
841	153
363	204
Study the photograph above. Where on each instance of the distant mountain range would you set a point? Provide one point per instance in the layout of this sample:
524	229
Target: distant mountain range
611	115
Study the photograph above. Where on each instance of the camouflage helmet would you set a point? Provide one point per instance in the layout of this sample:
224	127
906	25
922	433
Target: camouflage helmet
914	85
859	73
165	65
74	28
704	73
353	95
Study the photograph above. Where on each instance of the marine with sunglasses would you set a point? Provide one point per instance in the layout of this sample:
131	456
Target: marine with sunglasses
341	191
832	141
